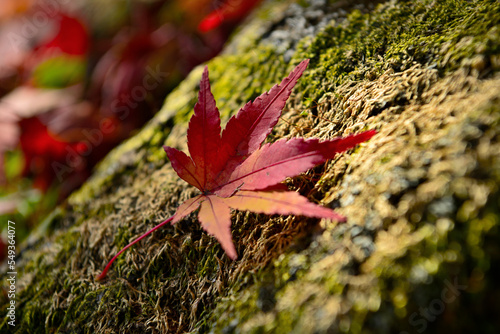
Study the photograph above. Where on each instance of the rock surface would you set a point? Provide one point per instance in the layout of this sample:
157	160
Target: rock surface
420	248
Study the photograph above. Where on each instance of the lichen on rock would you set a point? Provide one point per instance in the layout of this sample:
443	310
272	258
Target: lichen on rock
419	249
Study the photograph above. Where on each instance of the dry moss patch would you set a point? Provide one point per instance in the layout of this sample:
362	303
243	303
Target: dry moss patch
422	205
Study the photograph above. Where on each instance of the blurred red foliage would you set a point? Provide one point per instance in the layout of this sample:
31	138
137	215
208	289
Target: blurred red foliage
71	90
229	11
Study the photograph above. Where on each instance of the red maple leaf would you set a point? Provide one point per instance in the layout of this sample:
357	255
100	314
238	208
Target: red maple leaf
234	170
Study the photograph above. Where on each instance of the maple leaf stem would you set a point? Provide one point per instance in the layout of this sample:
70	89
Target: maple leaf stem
105	271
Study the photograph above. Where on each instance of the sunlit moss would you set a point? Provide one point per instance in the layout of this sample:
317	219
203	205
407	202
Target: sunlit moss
327	284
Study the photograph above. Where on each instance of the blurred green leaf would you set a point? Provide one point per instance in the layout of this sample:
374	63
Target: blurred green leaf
60	71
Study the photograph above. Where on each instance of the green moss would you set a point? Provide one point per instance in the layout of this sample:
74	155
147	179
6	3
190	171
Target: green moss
180	273
440	34
442	264
240	78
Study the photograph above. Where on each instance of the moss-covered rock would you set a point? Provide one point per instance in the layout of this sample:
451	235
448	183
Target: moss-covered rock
420	249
